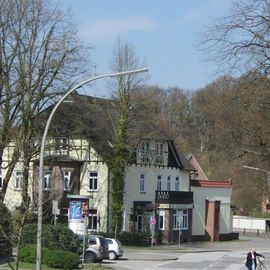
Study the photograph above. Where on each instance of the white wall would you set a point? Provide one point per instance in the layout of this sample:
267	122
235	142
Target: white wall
200	194
132	184
249	223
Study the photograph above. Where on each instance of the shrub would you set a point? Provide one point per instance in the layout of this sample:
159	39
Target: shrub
6	231
57	236
61	259
133	238
51	258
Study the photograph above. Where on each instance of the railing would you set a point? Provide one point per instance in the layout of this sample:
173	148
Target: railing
182	197
252	232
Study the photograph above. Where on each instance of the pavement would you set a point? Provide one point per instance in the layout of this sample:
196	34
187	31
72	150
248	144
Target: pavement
168	253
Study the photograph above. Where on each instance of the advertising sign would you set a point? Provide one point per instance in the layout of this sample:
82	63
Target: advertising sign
75	212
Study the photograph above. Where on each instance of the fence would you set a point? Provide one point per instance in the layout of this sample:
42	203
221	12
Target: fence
252	232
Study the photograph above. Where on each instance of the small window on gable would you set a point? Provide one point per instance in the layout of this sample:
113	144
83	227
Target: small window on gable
60	146
18	180
177	183
47	181
142	183
67	179
93	181
159	182
169	183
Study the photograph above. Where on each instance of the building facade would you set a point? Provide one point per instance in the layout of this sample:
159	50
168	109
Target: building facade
159	194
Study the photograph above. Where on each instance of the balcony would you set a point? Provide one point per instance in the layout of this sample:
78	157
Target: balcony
174	197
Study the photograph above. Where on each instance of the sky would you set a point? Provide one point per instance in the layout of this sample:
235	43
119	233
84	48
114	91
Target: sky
164	34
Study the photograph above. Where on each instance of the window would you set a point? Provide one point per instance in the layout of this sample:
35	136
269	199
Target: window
159	153
93	178
60	146
1	179
47	181
159	149
177	184
18	180
93	219
169	183
185	220
161	220
182	216
159	182
142	183
145	147
67	179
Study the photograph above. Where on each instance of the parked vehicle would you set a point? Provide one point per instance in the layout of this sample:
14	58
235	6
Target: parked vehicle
96	249
115	248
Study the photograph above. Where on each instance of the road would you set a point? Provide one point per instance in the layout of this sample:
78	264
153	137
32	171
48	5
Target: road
202	256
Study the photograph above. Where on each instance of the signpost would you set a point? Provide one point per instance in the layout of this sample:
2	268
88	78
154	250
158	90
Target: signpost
152	223
180	222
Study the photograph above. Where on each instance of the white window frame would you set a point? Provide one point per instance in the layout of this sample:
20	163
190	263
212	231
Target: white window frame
159	182
60	145
159	149
161	220
142	183
177	183
47	181
18	180
169	183
67	179
176	217
184	225
93	181
93	220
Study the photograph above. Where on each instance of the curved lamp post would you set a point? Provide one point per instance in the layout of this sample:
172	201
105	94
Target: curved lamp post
41	157
256	169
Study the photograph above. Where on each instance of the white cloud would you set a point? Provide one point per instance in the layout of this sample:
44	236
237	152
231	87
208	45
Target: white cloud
98	30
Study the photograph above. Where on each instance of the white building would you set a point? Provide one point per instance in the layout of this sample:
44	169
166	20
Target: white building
158	190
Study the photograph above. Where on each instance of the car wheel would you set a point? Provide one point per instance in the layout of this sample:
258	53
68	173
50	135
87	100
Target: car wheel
89	258
112	255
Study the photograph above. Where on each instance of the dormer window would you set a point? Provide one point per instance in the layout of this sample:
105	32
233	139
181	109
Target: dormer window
60	146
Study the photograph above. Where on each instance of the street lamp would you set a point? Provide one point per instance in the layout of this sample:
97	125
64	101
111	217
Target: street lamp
255	168
41	157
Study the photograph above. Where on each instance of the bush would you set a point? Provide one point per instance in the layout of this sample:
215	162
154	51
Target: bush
6	232
61	259
131	238
51	258
28	253
57	236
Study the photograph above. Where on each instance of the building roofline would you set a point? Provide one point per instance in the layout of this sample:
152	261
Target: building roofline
214	184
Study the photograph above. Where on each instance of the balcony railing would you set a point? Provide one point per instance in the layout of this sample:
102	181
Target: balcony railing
176	197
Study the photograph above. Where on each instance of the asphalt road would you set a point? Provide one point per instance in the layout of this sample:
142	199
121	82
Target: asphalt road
202	256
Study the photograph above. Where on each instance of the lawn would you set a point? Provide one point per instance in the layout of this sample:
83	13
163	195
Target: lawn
32	266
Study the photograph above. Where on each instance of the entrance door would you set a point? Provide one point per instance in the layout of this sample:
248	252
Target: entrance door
139	223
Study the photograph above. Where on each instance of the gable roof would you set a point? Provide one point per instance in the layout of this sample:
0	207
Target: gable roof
96	119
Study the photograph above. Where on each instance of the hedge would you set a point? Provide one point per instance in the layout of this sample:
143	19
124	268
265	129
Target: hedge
57	236
51	258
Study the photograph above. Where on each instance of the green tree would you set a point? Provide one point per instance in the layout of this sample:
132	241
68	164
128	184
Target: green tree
124	58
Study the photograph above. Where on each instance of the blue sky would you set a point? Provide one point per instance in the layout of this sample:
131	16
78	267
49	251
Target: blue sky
164	34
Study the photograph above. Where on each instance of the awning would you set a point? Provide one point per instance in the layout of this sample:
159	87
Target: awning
143	205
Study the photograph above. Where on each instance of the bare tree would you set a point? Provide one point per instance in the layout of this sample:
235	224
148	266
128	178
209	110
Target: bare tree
241	41
39	54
